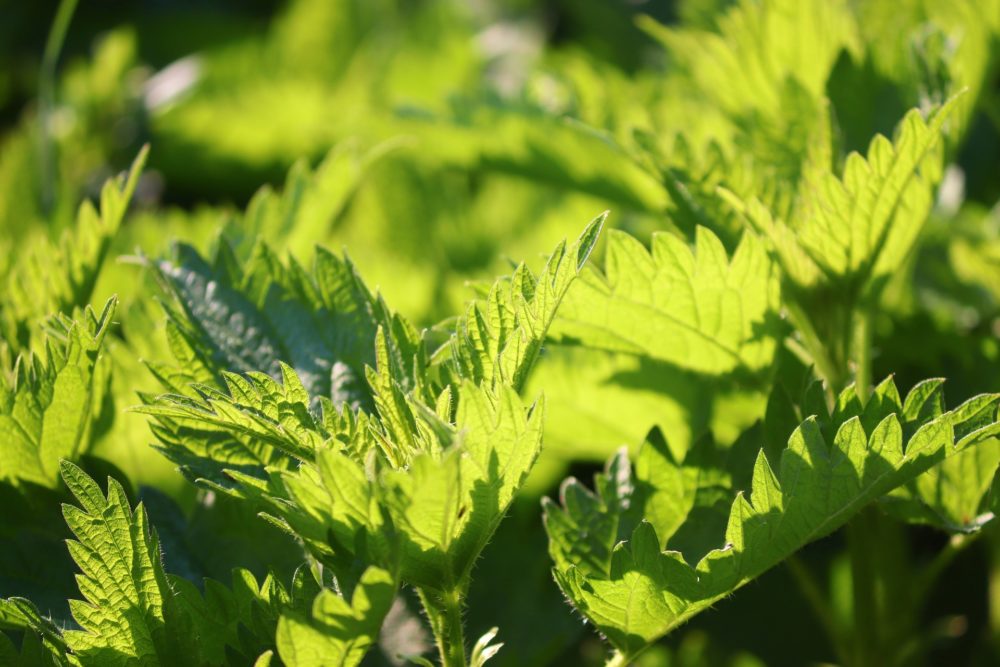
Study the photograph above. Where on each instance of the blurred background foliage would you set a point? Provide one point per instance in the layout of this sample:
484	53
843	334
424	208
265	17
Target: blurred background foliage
437	139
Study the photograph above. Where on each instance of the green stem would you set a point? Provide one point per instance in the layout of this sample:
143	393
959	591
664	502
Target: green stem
930	574
46	98
863	353
444	610
830	371
861	540
817	601
994	584
990	104
617	659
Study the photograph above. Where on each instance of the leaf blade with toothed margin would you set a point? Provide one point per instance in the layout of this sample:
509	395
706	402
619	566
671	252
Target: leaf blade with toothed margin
498	340
857	228
337	631
49	410
131	611
816	489
691	307
52	278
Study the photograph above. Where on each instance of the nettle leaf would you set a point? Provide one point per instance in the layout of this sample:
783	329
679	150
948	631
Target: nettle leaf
335	631
270	419
594	401
499	339
635	592
43	642
446	506
585	531
123	617
48	406
241	317
257	422
331	507
133	613
234	326
411	491
47	278
952	495
690	307
854	230
237	624
444	503
745	63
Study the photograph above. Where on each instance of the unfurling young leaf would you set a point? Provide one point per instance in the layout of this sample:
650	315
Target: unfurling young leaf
335	631
49	405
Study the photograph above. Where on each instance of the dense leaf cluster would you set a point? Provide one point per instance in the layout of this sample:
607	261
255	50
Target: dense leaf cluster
797	207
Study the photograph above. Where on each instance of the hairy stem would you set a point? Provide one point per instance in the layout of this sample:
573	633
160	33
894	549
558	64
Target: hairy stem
444	611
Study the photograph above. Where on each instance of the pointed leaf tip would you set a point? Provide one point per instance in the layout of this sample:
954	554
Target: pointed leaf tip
588	240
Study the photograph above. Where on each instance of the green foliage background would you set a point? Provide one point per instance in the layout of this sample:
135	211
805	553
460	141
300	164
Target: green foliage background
438	144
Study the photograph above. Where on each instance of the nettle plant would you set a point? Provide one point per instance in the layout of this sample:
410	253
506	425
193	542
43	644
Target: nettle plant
392	454
389	454
392	465
665	537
